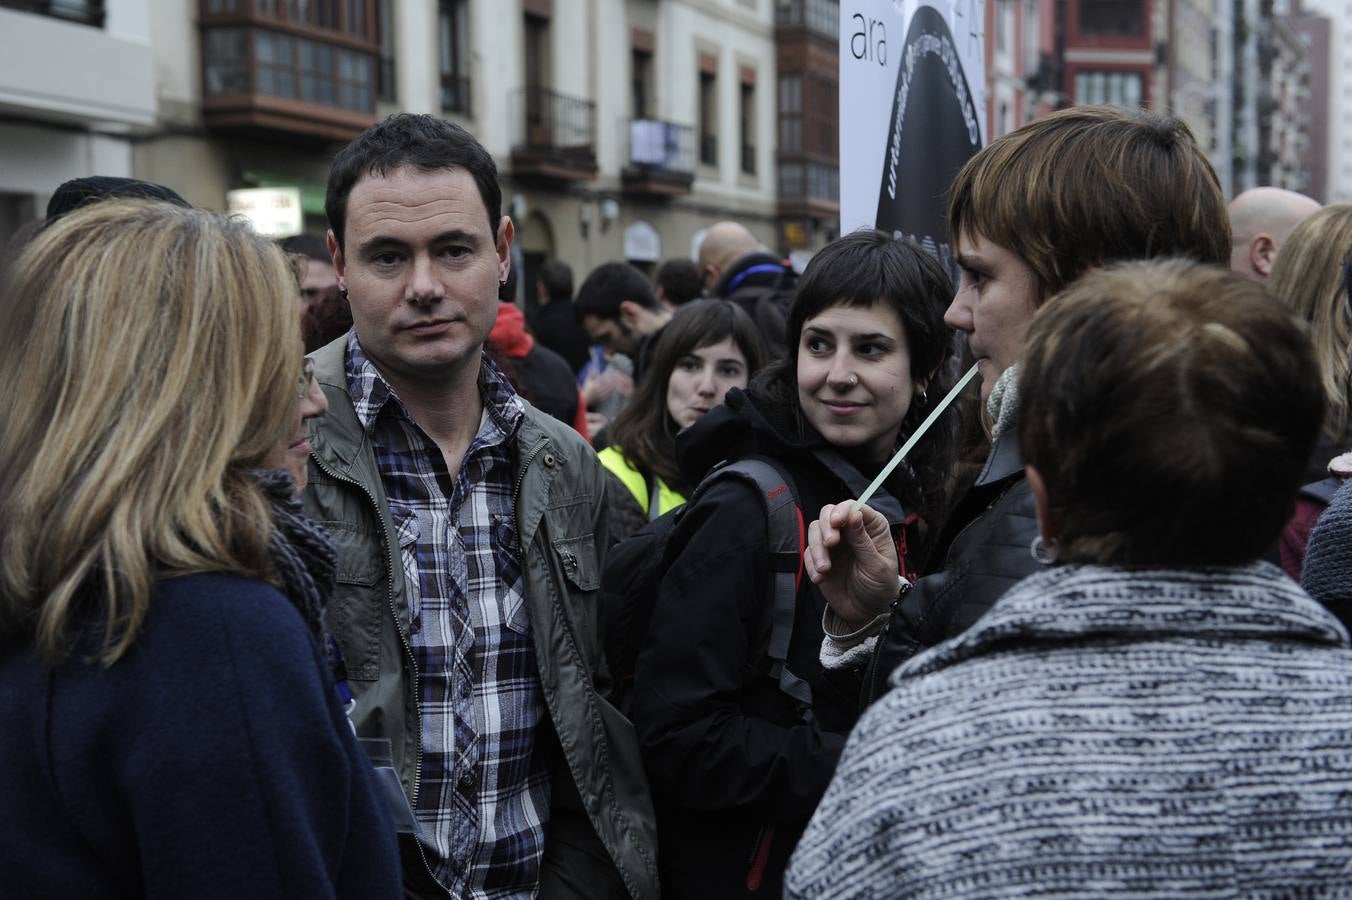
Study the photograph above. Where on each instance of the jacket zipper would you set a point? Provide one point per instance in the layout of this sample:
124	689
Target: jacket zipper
408	655
521	476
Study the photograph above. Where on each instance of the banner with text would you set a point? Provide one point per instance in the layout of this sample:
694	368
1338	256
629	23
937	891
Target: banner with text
912	111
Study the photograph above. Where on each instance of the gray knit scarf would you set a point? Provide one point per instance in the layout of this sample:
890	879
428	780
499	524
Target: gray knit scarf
304	557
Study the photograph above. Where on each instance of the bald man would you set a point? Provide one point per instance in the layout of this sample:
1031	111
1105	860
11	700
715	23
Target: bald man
1261	219
736	266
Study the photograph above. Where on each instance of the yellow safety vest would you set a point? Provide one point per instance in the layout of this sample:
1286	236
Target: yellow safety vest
667	499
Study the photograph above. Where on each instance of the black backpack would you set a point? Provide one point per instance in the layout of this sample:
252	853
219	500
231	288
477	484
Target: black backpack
768	307
634	568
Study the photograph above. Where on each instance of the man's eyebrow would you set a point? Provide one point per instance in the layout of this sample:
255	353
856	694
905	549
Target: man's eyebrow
384	240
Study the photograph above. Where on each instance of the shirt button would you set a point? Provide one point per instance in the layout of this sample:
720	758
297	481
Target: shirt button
466	778
465	689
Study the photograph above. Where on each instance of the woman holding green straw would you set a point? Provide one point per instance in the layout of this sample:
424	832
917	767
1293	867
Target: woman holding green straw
1126	185
738	755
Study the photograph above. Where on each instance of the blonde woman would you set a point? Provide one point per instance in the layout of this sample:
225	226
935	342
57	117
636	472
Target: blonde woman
1310	277
172	726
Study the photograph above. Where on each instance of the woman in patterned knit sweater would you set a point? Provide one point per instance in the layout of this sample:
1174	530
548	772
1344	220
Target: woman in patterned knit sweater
1155	713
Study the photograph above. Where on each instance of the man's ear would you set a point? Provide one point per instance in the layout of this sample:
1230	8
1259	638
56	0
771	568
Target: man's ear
506	232
630	313
339	264
1046	523
1262	253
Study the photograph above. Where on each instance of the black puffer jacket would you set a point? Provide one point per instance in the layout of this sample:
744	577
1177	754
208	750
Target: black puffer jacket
981	552
737	765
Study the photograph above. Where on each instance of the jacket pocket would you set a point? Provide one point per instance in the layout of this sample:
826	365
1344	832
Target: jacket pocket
577	556
357	607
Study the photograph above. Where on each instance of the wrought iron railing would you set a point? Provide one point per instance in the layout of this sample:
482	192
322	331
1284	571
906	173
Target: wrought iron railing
550	121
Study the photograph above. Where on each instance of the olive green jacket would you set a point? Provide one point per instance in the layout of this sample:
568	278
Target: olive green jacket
560	513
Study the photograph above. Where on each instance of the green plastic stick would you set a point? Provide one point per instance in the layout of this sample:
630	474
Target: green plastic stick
915	437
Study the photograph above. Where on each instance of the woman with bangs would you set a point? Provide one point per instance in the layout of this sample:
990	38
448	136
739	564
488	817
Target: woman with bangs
738	762
175	727
708	348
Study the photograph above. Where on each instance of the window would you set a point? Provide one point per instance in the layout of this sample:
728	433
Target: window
454	54
275	62
748	127
1108	88
385	86
1112	18
537	52
642	63
86	12
708	118
791	114
226	72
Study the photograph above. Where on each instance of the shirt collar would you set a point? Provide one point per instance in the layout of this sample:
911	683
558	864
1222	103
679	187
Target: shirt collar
371	393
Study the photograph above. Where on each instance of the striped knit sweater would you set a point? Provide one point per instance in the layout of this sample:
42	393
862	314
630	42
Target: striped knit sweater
1104	732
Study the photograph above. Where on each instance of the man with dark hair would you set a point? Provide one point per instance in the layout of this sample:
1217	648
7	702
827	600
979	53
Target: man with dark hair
554	323
736	266
678	281
324	313
619	311
468	526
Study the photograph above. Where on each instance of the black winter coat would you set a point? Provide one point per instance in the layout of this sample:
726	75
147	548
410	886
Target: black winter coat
737	766
982	551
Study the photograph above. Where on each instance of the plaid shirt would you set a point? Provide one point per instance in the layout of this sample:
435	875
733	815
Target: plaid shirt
483	803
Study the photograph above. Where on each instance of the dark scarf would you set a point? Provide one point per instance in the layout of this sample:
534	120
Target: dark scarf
304	558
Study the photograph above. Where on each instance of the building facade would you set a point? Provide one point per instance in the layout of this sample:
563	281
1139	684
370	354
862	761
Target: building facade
1337	80
621	127
58	120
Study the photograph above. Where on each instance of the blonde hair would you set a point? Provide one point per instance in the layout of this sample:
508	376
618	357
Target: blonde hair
151	357
1308	277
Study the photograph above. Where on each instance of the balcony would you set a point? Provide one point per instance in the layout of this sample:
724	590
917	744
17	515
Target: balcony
661	159
556	136
49	51
305	70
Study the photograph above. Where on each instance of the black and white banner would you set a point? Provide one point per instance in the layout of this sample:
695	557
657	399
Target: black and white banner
912	111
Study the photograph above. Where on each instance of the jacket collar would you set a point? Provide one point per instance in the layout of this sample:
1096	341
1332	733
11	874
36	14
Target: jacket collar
1074	604
1004	460
340	440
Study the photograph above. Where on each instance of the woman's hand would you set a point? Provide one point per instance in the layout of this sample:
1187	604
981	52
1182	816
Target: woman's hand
851	558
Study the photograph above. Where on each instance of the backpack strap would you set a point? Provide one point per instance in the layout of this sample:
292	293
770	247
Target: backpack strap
787	536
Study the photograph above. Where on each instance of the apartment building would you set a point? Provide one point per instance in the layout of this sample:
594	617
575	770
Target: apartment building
620	127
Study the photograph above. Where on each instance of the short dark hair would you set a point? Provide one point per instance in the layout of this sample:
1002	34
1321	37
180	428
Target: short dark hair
310	246
644	431
680	280
421	141
609	285
1092	185
557	277
1170	409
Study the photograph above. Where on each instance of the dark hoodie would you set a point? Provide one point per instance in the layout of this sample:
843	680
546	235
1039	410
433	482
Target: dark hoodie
763	285
737	766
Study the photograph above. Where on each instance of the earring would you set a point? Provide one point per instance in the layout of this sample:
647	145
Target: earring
923	398
854	379
1042	553
342	292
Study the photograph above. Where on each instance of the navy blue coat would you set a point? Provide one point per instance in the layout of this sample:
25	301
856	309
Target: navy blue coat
212	760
